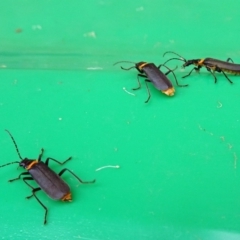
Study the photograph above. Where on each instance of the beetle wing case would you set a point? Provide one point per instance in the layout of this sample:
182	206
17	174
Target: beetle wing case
223	65
158	78
49	181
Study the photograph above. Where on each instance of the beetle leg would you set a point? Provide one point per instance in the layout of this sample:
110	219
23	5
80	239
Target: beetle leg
33	194
149	94
195	68
229	59
213	73
220	71
172	70
226	77
65	169
35	190
61	163
179	85
28	178
45	208
40	155
19	177
169	70
139	84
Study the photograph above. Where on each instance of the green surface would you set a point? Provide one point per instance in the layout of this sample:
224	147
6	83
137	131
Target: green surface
178	156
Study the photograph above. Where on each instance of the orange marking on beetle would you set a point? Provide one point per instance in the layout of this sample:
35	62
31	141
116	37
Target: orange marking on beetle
200	62
67	197
142	66
169	91
31	164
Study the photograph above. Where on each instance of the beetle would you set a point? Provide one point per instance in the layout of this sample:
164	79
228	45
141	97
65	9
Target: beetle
48	181
153	74
211	64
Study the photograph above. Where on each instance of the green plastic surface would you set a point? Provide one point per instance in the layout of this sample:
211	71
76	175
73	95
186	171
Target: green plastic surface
178	156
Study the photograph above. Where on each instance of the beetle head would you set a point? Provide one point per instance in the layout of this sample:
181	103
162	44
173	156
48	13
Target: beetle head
195	62
25	162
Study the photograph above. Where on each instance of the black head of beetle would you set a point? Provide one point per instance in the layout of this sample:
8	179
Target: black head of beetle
27	163
196	62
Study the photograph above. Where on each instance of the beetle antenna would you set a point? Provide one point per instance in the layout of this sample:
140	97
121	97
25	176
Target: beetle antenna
180	57
175	54
14	144
8	164
174	59
127	68
125	62
122	62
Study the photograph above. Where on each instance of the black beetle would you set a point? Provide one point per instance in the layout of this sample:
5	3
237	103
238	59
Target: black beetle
153	74
48	181
211	64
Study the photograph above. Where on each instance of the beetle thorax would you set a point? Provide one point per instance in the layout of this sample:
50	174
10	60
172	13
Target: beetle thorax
200	62
140	66
195	62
